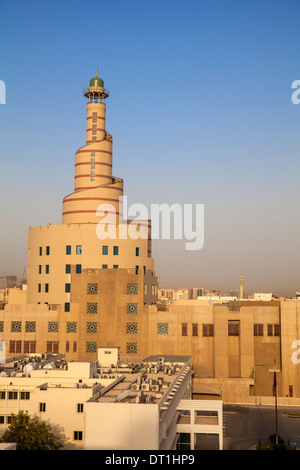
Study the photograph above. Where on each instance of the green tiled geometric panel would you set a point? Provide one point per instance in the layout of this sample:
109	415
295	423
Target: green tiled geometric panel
132	308
92	288
131	328
1	326
131	348
132	288
30	326
91	346
91	327
92	307
16	326
53	327
162	328
71	326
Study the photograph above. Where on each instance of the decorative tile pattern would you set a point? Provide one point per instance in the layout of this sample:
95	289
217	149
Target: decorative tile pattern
91	346
30	326
132	308
53	327
16	326
1	326
71	326
131	328
92	307
132	288
91	327
92	288
131	348
162	328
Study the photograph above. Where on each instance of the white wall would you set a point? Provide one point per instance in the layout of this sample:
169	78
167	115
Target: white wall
121	426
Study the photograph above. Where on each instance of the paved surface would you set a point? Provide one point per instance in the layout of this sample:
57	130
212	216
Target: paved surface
243	426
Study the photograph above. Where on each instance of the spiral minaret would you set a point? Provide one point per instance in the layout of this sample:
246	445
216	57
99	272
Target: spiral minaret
93	180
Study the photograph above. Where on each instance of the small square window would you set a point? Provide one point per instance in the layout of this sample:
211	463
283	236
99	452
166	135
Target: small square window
92	160
68	249
77	435
92	178
115	266
79	407
94	114
105	250
104	266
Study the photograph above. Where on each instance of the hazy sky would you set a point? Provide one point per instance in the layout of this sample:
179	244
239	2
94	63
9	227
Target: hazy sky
200	111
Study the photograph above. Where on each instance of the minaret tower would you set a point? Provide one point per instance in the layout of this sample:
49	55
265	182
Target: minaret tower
241	287
93	180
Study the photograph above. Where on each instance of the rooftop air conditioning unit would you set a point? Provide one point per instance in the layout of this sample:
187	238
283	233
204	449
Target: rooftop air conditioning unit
145	387
155	388
135	387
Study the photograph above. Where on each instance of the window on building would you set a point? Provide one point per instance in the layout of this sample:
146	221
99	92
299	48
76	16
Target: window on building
47	250
68	269
67	346
94	114
39	287
40	269
42	407
78	250
2	419
78	268
79	407
52	347
67	306
74	346
137	251
46	287
41	250
115	266
116	250
68	249
47	268
136	269
233	328
94	138
105	250
184	329
2	395
67	287
195	329
77	435
92	178
276	330
25	396
104	266
94	120
270	330
207	330
29	346
93	160
13	395
258	329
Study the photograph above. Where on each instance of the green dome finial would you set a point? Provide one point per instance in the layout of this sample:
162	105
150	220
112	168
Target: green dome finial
96	81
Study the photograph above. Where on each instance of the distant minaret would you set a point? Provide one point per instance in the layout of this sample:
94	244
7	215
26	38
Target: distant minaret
241	287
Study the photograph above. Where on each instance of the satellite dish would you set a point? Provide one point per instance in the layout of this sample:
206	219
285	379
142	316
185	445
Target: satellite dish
49	366
29	367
